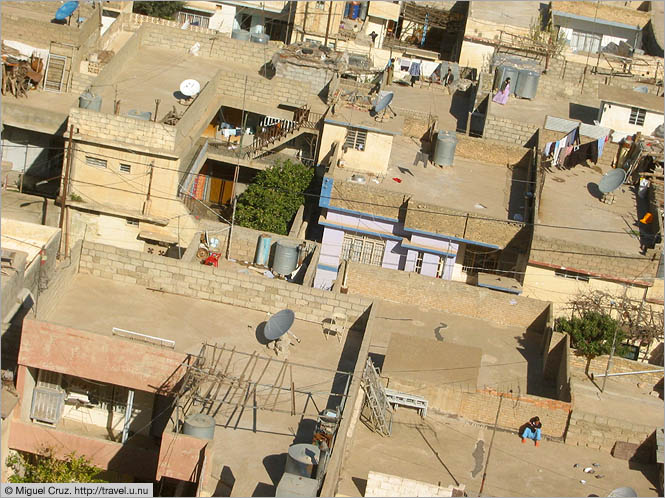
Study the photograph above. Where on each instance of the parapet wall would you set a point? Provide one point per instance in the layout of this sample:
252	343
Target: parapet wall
446	295
216	284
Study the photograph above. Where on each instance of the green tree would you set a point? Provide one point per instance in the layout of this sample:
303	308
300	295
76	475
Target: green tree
272	199
165	10
592	334
45	467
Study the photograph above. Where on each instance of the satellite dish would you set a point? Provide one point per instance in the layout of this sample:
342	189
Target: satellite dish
623	492
383	102
189	88
66	10
612	180
279	324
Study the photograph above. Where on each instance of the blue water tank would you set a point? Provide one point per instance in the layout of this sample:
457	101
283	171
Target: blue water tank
263	250
355	10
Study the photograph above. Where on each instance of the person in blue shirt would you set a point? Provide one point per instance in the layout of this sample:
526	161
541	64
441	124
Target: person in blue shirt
532	430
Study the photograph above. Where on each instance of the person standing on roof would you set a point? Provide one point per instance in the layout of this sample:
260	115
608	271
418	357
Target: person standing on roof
501	96
414	71
389	70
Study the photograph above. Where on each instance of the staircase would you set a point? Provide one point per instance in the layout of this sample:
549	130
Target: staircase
380	416
282	131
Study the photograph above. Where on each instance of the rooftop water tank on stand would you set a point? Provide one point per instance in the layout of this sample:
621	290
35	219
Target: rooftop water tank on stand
259	38
240	34
527	84
444	149
301	459
199	425
89	100
502	72
286	257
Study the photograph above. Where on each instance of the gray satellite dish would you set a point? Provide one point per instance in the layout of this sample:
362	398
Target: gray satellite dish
612	180
384	101
623	492
189	88
279	324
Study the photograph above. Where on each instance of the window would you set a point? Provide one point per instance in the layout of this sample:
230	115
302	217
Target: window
631	352
585	42
637	116
132	221
355	139
93	161
321	5
419	262
362	249
572	275
194	19
125	168
441	267
479	259
245	21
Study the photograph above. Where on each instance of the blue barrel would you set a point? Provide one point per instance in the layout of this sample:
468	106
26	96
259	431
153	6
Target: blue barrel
263	250
355	11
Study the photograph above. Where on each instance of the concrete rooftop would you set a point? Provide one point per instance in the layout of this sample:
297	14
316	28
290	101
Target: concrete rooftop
439	449
568	200
465	186
534	111
256	460
510	356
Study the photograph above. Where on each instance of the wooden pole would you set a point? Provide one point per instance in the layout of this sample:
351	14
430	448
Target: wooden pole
325	40
489	450
146	206
65	182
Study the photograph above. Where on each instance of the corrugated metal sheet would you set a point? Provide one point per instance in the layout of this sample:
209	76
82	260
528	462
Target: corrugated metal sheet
565	125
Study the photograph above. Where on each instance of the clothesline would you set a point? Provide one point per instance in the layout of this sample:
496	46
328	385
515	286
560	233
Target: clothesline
568	151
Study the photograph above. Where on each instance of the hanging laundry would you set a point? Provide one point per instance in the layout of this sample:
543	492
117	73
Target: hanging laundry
549	148
405	64
600	144
565	152
582	153
428	67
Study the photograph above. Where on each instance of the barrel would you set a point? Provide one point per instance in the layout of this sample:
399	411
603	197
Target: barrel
240	34
527	84
504	71
88	100
444	149
259	38
355	10
301	459
199	425
262	250
286	257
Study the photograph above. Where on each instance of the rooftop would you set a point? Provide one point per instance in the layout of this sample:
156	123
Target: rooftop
631	98
568	193
611	11
256	459
27	237
361	119
469	185
517	13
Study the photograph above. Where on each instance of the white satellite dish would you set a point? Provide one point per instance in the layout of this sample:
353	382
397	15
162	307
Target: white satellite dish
189	88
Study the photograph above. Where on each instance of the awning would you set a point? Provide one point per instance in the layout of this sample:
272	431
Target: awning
158	236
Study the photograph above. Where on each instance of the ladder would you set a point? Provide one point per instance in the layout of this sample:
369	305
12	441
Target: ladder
380	416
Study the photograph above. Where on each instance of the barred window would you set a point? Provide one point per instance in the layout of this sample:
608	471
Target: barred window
637	116
194	19
363	249
572	275
94	161
355	139
125	168
480	259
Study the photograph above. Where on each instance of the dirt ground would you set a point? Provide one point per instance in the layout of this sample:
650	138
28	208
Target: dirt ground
446	450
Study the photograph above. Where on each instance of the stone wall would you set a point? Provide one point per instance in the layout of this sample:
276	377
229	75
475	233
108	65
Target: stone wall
446	295
58	281
508	131
619	365
501	154
238	288
260	90
379	484
316	79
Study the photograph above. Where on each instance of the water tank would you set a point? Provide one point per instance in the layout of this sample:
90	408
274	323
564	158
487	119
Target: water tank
301	459
240	34
527	84
286	257
140	115
363	10
259	38
504	71
262	250
89	100
199	425
355	10
444	149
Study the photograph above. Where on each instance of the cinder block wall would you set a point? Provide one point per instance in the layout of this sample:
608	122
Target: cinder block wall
259	89
446	295
58	281
216	284
619	365
508	131
315	78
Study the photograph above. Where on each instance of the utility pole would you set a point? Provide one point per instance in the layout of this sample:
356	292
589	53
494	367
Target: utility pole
325	41
609	360
146	205
489	450
235	174
65	183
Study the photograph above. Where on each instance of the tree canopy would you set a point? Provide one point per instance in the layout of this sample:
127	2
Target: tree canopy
272	199
165	10
592	334
45	467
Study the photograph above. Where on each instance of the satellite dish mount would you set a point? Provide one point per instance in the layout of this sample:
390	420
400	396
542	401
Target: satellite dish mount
382	106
